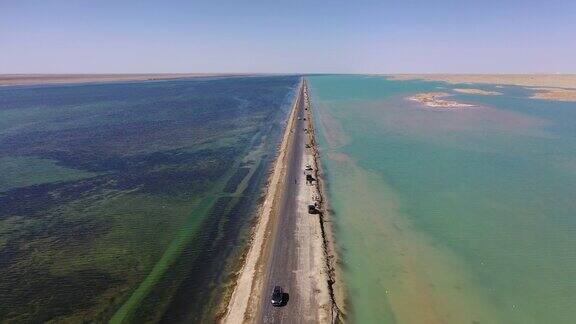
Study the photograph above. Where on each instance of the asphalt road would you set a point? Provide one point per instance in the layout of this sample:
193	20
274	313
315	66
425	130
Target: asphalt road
283	254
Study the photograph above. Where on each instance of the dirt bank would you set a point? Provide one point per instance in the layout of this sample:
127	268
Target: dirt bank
335	283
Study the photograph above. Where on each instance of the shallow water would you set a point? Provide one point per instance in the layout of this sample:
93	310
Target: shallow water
129	201
454	216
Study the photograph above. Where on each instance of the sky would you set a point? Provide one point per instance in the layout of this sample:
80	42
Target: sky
442	36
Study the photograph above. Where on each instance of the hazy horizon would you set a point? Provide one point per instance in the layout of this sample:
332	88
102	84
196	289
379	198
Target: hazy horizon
296	37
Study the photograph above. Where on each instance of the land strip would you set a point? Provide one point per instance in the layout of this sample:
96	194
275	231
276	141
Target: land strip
37	79
296	259
478	92
290	247
555	94
242	305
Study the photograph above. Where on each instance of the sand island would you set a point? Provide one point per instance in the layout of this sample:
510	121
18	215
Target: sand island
478	92
558	94
435	100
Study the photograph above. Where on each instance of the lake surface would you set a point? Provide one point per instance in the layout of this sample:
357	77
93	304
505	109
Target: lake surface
450	216
130	201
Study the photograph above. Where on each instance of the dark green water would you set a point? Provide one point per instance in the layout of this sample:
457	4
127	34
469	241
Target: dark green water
454	216
129	201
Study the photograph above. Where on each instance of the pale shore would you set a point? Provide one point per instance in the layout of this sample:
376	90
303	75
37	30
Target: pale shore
555	94
478	92
37	79
528	80
435	100
560	87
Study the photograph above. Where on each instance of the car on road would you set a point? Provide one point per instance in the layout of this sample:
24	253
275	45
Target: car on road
312	209
277	296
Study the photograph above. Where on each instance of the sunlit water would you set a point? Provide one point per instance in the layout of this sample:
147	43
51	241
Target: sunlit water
453	216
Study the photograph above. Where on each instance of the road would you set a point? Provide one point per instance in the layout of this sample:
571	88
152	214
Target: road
294	258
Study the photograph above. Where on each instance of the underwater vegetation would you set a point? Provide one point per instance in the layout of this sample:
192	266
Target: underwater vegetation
128	201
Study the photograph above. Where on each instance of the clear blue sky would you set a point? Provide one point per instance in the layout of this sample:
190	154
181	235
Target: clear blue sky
101	36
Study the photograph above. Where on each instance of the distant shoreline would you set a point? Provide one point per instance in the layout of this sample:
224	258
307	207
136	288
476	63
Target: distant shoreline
40	79
557	87
567	81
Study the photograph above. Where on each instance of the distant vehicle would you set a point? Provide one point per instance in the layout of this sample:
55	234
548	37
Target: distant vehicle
312	209
308	167
309	178
277	296
299	118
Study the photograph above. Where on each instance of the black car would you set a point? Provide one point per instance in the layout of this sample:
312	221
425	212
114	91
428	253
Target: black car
312	209
277	296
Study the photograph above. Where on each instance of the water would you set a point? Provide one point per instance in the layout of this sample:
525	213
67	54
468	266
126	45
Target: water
130	201
459	216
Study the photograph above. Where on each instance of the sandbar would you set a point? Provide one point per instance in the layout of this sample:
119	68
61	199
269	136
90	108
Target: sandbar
559	87
435	100
555	94
478	92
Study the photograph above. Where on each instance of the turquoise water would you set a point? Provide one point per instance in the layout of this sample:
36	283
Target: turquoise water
450	216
